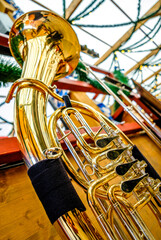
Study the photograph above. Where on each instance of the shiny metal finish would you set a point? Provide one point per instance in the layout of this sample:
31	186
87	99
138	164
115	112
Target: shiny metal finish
33	39
95	167
148	120
156	138
48	49
47	52
100	161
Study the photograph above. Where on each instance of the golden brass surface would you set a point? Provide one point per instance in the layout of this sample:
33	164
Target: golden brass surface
47	47
35	35
153	131
102	171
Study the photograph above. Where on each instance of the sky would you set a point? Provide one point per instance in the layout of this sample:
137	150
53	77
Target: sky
107	13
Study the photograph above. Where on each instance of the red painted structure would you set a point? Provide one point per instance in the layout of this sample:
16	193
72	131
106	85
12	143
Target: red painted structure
9	147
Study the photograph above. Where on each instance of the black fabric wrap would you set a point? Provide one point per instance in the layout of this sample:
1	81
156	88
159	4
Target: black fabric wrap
54	188
149	169
67	101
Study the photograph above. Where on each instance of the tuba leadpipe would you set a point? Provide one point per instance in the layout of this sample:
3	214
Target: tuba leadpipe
149	127
101	160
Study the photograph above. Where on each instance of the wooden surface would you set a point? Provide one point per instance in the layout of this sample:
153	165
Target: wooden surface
6	7
152	75
72	85
72	7
126	35
149	149
9	150
21	215
153	52
148	97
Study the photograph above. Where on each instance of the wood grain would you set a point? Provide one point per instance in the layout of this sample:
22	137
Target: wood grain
21	213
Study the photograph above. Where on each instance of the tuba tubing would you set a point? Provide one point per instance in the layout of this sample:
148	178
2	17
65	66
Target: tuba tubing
151	130
100	161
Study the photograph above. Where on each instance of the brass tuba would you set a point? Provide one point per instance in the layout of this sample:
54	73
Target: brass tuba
101	159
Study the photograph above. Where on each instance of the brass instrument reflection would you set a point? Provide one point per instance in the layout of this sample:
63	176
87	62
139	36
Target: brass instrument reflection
101	161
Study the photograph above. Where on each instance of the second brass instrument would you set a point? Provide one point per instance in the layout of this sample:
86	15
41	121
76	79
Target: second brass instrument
99	159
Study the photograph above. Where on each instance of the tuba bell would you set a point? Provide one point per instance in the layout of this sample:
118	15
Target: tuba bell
110	175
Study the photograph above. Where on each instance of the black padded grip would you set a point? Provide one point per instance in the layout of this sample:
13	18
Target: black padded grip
149	169
67	101
54	188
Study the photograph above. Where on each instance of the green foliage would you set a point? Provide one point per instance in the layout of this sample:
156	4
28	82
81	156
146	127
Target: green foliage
82	76
9	71
121	77
115	25
15	48
84	13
